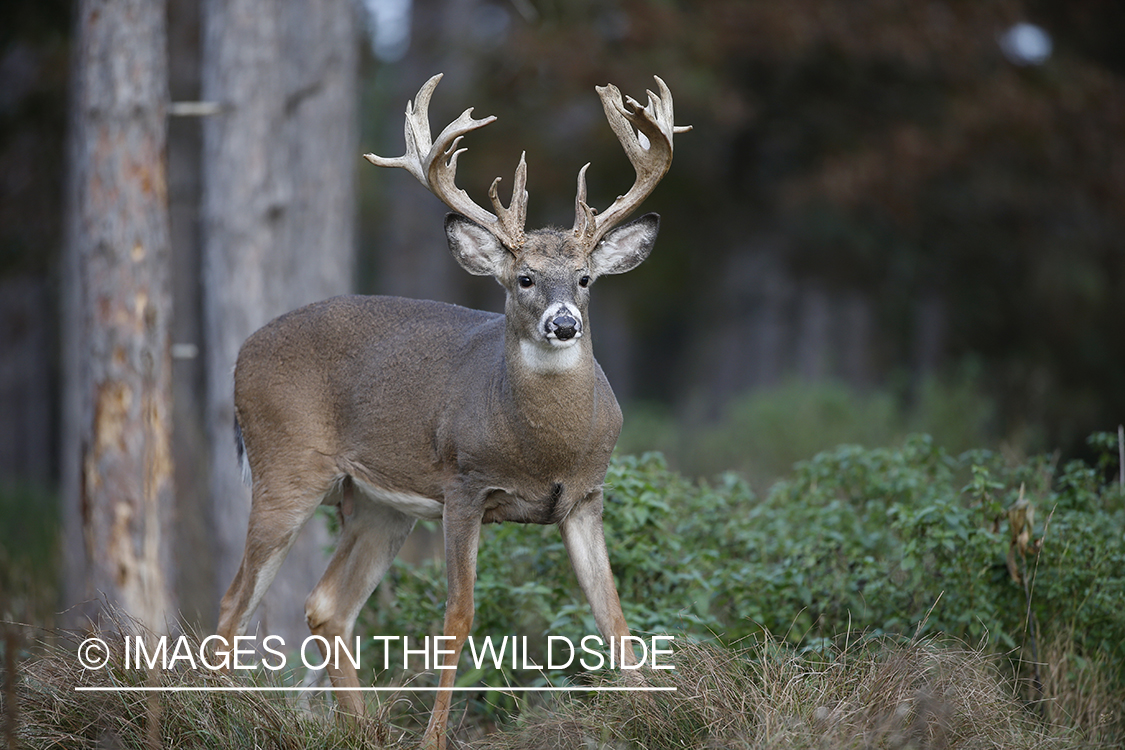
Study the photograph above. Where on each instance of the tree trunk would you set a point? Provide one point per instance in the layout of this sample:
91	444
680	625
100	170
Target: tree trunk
117	464
277	225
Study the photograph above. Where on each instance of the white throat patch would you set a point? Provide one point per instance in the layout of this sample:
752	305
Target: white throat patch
551	359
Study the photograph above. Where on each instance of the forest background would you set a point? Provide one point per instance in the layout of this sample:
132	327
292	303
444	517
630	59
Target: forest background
889	217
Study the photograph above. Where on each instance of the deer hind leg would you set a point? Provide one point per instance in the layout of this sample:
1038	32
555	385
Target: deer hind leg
371	536
282	504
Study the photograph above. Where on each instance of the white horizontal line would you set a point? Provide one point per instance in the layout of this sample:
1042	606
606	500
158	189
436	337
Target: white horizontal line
197	689
194	109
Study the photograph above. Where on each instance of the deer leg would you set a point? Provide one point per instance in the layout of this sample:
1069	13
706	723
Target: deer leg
273	529
371	536
585	543
462	538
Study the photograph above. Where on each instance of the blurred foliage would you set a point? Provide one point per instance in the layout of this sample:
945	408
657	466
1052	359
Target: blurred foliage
884	541
29	553
763	433
892	147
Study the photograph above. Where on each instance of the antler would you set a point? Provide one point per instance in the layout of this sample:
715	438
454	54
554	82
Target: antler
434	164
646	135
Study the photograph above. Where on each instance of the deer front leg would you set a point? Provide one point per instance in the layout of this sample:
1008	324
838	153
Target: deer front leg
585	543
462	537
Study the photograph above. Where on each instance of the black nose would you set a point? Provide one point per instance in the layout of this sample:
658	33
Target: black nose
565	327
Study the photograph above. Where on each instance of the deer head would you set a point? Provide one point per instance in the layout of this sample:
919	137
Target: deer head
547	272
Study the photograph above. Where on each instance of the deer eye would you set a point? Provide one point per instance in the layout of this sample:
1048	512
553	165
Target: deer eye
584	282
526	282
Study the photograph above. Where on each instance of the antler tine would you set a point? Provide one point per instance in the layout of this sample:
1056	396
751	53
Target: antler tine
416	133
434	164
513	218
645	133
583	214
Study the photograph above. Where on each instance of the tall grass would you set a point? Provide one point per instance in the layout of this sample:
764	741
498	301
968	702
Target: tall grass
53	713
866	693
918	694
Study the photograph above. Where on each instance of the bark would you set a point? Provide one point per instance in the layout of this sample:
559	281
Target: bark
117	464
277	225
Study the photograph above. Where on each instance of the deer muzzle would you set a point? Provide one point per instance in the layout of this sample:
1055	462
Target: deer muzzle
565	327
561	324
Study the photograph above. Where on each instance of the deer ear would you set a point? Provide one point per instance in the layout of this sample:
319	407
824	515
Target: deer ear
475	248
623	248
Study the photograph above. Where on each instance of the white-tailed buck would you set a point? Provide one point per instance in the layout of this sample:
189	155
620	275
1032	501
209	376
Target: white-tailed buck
397	409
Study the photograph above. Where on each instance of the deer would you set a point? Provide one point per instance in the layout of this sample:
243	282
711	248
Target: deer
395	409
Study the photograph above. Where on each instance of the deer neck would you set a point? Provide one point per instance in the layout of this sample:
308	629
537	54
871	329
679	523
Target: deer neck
553	391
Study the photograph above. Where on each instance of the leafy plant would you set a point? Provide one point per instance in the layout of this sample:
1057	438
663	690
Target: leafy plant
882	541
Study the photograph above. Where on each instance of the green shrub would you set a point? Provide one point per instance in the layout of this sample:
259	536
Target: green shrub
896	541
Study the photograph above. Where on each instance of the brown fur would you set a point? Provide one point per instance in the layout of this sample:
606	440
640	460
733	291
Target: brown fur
429	409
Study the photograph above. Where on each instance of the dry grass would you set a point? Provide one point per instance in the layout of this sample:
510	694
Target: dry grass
919	695
922	695
53	714
1075	690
